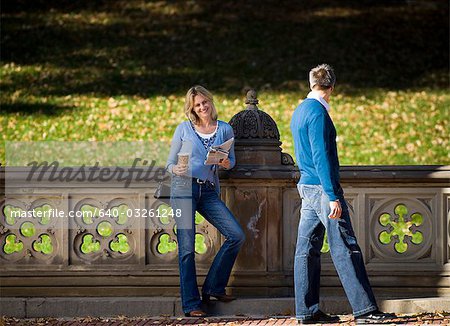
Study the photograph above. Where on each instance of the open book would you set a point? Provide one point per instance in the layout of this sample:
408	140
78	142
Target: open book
217	154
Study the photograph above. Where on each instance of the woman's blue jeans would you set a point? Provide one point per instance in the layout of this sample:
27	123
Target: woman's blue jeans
344	249
206	201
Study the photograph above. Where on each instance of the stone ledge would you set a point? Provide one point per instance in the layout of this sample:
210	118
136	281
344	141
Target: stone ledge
171	306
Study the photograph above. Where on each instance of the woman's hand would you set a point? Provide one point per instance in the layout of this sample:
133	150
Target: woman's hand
225	163
180	169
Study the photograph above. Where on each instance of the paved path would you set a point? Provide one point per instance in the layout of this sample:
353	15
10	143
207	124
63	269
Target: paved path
422	319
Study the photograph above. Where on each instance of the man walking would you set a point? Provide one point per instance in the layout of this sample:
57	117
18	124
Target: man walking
324	208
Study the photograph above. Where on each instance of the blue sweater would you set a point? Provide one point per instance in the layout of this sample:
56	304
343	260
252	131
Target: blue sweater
315	147
185	140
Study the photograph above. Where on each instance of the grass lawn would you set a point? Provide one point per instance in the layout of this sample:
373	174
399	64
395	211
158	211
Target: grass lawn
118	70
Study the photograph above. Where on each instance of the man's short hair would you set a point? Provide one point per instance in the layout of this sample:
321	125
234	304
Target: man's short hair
322	76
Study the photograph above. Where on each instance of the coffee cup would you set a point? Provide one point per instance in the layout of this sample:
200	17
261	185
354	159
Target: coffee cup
183	159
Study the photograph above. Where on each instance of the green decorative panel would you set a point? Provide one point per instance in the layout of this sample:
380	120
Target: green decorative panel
41	213
27	229
89	213
162	213
11	213
12	245
44	245
165	244
44	213
163	239
400	228
200	244
30	231
104	233
120	213
105	229
199	219
89	245
121	245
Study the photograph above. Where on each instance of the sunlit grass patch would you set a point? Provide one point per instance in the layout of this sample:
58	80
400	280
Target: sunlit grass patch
381	127
118	71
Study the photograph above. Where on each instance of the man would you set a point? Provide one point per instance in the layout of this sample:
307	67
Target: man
324	208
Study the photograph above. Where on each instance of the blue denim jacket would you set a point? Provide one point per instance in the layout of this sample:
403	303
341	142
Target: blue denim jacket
185	140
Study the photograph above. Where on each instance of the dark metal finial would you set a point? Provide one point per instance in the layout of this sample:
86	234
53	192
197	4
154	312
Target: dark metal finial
251	100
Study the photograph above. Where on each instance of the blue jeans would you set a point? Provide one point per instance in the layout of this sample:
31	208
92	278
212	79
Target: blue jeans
344	249
206	201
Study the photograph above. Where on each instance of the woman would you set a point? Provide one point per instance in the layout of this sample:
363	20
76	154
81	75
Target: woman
195	187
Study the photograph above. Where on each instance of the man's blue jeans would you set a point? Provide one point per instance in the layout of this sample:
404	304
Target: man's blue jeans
344	249
206	201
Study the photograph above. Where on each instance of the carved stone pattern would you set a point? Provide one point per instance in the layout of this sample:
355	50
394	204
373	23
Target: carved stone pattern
92	247
270	127
254	124
249	125
287	159
162	242
37	232
387	207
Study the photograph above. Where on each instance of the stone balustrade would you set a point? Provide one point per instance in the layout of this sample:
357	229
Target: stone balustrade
401	216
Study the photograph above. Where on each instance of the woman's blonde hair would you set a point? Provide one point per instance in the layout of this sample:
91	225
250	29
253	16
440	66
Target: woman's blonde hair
189	103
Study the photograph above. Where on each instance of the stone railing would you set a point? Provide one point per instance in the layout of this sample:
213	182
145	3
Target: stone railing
401	216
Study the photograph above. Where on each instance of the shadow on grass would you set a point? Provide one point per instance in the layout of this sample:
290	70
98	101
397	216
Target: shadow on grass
35	109
145	48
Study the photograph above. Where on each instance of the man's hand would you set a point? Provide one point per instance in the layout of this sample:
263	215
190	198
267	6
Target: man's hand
225	163
336	209
180	169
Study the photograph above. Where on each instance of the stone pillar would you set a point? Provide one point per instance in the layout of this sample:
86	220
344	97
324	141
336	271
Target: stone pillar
257	137
254	191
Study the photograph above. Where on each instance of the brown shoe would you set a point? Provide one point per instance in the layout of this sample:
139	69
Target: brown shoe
195	313
220	297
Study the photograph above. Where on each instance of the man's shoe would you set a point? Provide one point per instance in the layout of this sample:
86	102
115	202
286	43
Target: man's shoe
374	317
196	313
206	298
319	318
